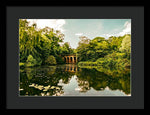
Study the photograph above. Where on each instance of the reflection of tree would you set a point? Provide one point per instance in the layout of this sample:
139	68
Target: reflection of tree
94	78
51	70
120	72
100	80
44	81
29	72
125	83
35	81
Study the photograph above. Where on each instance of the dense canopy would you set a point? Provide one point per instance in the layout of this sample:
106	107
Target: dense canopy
47	46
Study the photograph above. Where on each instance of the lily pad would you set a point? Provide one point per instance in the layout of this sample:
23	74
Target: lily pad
52	87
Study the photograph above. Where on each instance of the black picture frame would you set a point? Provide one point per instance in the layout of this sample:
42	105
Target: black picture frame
135	13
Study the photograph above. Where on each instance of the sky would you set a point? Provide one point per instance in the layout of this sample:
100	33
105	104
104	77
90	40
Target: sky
91	28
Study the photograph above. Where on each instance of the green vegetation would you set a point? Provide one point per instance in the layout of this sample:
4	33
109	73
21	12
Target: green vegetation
21	64
46	47
101	63
30	61
112	53
51	60
87	63
37	46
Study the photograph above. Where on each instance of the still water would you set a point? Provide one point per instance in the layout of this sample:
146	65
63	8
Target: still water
71	80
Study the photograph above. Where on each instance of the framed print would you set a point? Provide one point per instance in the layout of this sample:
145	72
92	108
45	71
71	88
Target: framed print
75	57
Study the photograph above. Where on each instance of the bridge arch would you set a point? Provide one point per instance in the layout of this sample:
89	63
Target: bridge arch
70	58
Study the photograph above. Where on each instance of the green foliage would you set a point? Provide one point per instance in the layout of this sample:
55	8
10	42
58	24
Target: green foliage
82	52
60	60
39	61
115	42
40	43
30	62
66	49
100	61
21	64
87	63
50	60
90	54
97	39
92	50
114	61
126	44
84	40
29	38
42	46
113	53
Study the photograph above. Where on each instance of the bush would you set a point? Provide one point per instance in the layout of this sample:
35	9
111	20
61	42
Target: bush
30	62
87	63
21	64
100	61
59	60
120	55
51	60
38	61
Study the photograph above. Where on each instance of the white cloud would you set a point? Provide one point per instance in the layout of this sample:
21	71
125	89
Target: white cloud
127	29
108	35
56	24
79	34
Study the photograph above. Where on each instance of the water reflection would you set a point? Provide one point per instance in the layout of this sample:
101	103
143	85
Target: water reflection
67	80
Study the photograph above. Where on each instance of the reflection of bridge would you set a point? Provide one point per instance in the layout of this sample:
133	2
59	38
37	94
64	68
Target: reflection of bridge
70	58
71	68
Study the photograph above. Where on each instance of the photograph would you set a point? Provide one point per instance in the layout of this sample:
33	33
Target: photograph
74	57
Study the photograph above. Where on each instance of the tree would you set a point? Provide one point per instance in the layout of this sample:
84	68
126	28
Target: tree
66	49
97	39
82	52
40	43
126	44
84	40
29	38
115	42
91	55
51	60
83	47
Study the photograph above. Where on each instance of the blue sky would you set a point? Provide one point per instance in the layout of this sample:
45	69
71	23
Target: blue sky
74	28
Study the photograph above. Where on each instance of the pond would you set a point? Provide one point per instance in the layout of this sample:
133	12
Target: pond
71	80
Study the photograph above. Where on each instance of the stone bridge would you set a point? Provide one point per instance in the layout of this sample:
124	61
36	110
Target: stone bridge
72	58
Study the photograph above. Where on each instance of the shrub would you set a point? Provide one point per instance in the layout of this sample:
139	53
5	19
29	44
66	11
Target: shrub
30	61
60	60
87	63
100	61
21	64
120	55
126	63
51	60
38	61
